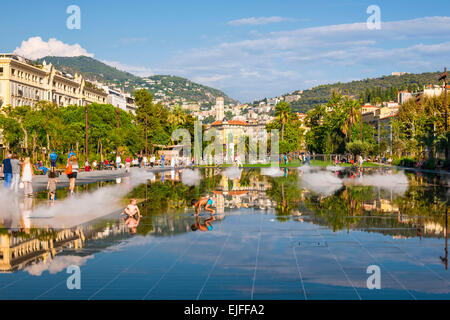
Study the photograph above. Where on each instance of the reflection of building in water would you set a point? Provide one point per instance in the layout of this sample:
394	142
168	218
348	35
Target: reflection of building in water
18	249
232	193
381	205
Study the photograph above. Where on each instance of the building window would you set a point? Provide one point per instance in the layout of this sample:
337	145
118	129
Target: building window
1	71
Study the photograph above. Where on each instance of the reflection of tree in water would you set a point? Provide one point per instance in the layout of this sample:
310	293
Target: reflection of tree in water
352	208
162	204
286	194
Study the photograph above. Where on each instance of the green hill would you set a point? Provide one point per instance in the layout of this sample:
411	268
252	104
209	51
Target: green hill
174	87
368	90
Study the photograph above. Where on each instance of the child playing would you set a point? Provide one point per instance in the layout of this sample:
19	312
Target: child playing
132	210
51	185
132	223
206	202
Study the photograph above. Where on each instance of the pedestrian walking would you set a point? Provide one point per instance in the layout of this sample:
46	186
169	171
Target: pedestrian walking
53	158
27	177
51	185
7	171
72	173
15	166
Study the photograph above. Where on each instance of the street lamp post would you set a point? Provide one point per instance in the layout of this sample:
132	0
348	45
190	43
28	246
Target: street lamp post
444	77
146	136
86	130
117	130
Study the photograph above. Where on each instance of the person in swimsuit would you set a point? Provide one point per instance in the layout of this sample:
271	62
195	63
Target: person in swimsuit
205	226
203	202
132	210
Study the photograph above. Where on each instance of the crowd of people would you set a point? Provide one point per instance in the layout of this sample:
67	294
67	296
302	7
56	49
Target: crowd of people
18	172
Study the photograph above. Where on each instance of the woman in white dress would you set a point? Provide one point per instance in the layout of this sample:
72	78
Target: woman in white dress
27	177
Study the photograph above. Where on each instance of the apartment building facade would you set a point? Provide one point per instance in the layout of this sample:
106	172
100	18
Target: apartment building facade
23	82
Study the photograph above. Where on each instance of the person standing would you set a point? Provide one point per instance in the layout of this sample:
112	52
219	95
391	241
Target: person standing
71	153
163	159
145	160
118	162
15	166
152	160
127	164
51	185
53	158
94	165
72	167
7	170
27	177
87	167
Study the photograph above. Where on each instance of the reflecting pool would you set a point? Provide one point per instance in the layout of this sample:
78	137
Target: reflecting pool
277	234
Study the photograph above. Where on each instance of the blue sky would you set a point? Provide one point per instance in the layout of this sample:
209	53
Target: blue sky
250	49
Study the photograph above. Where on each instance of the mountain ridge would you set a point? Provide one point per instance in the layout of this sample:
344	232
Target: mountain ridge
169	85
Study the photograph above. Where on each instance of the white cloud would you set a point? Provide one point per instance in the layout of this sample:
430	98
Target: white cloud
35	48
279	62
136	70
253	21
56	265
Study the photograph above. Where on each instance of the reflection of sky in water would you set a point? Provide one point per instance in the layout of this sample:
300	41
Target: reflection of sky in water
272	239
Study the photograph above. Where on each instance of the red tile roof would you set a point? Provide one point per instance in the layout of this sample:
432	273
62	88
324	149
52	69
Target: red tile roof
231	122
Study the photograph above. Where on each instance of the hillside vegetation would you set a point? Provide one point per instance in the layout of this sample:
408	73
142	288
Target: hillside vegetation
171	86
368	90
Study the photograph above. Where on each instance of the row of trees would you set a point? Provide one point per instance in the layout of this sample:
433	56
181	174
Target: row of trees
336	127
419	130
34	130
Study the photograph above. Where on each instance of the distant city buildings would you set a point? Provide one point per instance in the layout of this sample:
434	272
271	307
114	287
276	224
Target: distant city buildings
398	73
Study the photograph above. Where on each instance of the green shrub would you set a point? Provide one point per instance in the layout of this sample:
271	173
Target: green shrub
429	164
404	162
446	165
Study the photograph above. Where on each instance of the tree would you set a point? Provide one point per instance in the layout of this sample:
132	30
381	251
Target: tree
283	112
357	147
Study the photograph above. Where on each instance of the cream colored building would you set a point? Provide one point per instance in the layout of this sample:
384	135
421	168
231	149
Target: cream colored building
219	108
23	82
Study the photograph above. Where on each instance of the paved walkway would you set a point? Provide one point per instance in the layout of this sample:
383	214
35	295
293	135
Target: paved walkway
40	181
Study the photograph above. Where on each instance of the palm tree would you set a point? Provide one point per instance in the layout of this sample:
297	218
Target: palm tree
177	117
352	107
283	112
